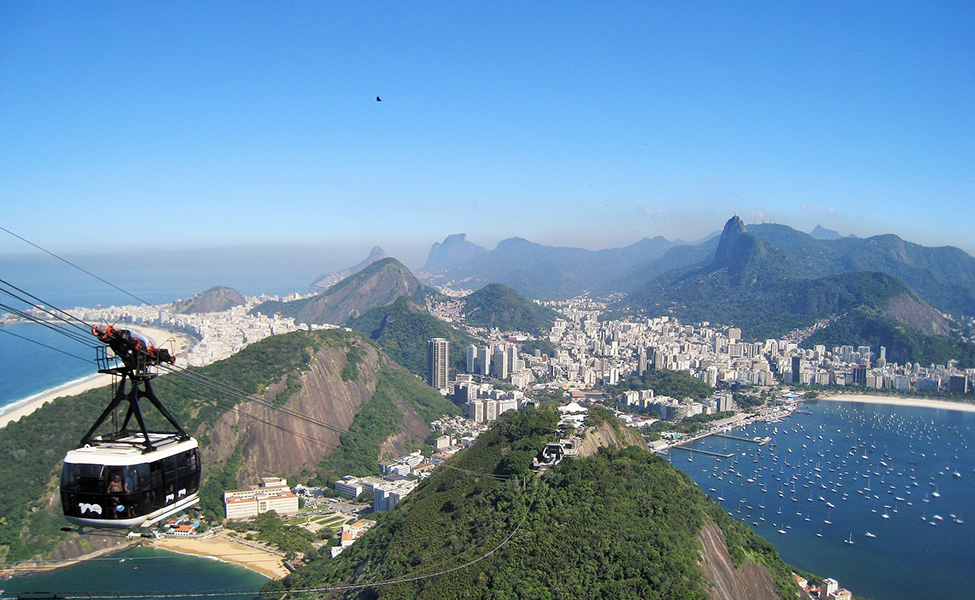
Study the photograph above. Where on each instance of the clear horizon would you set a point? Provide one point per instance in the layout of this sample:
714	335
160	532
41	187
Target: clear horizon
225	125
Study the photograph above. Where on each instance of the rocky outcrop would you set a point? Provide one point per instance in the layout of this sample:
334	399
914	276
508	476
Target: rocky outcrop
605	434
215	299
750	580
276	443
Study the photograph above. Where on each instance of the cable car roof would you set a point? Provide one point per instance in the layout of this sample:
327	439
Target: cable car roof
120	453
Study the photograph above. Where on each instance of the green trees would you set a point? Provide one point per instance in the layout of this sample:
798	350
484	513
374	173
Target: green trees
619	524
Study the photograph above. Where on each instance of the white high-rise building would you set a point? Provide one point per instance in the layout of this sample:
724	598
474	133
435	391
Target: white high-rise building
438	363
471	358
500	362
484	361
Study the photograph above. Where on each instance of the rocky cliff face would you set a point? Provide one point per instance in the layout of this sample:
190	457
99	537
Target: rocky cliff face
749	580
275	443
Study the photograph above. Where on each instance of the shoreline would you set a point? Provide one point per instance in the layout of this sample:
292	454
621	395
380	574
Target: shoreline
225	549
21	408
25	406
897	401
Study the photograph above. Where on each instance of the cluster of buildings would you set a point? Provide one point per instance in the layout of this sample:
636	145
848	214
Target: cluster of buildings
673	409
830	590
221	334
272	494
860	366
482	402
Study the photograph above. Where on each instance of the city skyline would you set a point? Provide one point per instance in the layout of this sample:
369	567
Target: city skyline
190	127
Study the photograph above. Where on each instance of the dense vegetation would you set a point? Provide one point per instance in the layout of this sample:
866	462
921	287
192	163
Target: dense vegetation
904	344
498	306
620	524
664	382
402	330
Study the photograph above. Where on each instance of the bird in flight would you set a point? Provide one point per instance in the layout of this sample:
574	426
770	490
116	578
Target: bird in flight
378	99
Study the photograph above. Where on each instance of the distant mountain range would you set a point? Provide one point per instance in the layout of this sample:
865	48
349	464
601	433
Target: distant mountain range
942	276
538	271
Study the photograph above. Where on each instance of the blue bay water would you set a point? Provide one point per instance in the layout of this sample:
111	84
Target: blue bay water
30	367
27	367
831	478
143	571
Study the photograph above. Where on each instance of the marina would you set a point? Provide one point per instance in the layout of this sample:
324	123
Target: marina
871	494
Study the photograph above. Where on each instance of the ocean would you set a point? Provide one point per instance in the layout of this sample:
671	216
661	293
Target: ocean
28	368
146	571
878	497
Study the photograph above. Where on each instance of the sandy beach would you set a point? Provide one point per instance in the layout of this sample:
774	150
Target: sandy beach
176	342
899	401
226	549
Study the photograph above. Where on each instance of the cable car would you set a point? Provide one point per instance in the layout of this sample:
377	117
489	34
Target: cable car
130	478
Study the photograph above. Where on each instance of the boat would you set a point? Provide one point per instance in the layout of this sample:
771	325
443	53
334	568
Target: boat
849	540
869	535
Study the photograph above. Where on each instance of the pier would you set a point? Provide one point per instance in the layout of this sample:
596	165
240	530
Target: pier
760	441
699	451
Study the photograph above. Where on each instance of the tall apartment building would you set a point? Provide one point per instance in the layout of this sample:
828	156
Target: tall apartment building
438	363
484	361
471	358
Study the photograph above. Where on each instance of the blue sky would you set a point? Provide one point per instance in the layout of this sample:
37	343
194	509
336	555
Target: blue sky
255	124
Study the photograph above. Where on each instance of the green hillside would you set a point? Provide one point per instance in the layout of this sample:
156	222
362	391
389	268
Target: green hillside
496	305
379	284
905	344
402	330
618	524
36	444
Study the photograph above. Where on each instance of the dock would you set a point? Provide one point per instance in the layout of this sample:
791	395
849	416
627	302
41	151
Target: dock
699	451
761	441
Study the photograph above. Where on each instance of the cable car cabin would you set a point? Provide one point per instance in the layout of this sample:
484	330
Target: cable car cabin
118	485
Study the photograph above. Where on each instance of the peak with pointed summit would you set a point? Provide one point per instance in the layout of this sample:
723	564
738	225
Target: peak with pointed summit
329	279
737	248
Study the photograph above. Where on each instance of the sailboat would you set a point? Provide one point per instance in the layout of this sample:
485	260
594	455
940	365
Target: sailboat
849	540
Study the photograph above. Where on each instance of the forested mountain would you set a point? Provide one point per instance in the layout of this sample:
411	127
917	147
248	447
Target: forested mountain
496	305
752	283
543	272
371	405
215	299
617	522
402	330
379	284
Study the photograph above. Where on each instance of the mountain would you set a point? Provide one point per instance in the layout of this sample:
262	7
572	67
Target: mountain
498	306
379	284
356	404
616	522
548	272
329	279
215	299
944	276
751	282
821	233
453	252
402	330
